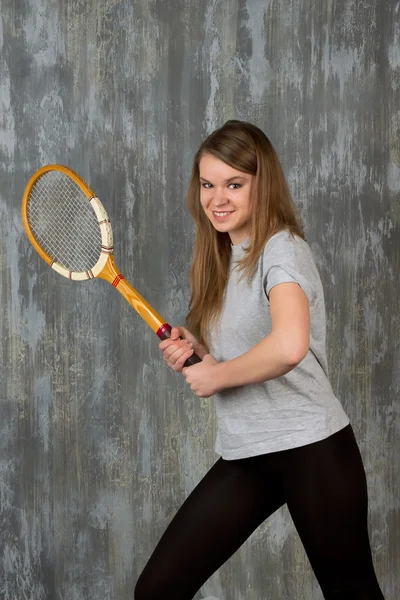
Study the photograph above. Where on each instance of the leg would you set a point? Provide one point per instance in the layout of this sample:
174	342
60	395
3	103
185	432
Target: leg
218	516
326	493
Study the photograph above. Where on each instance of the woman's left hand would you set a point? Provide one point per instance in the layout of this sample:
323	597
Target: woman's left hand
202	377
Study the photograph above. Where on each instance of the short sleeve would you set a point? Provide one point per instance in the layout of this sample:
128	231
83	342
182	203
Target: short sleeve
288	260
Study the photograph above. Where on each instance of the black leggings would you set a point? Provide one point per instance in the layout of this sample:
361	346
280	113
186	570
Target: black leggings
325	489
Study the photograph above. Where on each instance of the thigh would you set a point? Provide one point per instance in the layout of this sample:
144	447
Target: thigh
326	493
218	516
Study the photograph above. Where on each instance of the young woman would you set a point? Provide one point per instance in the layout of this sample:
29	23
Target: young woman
257	319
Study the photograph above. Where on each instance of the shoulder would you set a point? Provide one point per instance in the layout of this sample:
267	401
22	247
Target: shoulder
286	245
288	258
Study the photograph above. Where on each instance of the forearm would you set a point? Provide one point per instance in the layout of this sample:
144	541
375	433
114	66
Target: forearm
266	360
200	350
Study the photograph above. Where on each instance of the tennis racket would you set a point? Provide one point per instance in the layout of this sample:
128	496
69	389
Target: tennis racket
69	228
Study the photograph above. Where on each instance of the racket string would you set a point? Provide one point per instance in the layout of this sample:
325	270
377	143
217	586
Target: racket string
63	222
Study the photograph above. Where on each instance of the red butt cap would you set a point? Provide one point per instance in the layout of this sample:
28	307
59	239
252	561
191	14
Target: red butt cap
164	332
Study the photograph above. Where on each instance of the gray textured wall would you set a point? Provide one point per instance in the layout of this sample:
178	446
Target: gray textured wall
100	443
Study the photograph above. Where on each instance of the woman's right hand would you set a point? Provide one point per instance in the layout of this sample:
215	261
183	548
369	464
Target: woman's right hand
176	351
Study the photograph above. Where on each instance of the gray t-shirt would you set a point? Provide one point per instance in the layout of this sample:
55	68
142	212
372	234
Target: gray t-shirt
289	411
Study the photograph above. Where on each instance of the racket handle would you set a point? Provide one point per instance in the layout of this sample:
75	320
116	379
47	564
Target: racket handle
164	333
192	360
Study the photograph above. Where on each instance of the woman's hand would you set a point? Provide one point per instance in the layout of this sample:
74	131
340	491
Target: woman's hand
176	351
203	378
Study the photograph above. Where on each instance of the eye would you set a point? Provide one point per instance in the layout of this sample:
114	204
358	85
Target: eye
234	186
207	186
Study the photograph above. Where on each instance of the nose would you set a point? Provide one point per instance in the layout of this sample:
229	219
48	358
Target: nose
219	197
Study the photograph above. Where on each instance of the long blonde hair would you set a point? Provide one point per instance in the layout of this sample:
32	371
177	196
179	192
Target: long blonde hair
246	148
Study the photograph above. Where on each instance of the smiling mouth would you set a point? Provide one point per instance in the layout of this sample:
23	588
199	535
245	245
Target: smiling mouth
222	214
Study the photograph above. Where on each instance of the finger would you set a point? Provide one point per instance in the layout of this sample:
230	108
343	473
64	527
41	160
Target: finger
176	333
177	358
169	341
176	350
180	361
173	343
170	348
166	343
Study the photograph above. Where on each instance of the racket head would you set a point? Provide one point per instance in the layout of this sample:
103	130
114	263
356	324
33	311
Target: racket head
66	223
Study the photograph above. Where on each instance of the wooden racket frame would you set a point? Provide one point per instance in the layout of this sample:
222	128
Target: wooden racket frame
105	268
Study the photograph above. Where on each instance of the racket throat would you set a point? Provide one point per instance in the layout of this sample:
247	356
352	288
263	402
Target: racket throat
117	279
111	274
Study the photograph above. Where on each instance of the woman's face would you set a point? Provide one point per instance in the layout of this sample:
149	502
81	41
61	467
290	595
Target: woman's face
225	195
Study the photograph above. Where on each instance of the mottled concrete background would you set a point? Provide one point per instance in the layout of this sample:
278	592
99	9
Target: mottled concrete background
100	442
